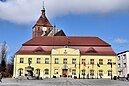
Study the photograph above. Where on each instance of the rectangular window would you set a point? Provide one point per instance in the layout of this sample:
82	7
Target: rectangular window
124	65
46	71
73	72
100	72
91	61
65	61
56	61
73	61
38	60
46	60
119	72
124	56
21	60
83	61
109	61
83	72
119	65
101	61
29	60
38	72
118	57
91	72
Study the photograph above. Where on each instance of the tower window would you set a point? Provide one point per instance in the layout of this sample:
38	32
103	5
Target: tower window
38	28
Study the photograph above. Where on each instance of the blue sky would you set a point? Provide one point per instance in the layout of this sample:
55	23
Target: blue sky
111	25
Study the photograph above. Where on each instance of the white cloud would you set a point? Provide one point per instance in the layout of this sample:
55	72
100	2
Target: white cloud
26	11
121	41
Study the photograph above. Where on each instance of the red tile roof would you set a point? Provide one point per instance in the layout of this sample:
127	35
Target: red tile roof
43	21
66	40
86	45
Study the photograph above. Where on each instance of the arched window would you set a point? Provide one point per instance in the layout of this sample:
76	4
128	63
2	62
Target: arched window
38	28
109	72
91	72
73	72
100	72
20	71
83	72
46	71
38	72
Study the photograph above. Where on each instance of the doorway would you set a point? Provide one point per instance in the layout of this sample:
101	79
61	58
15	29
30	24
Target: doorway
64	72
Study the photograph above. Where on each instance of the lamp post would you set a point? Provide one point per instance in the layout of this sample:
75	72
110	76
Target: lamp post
110	63
97	70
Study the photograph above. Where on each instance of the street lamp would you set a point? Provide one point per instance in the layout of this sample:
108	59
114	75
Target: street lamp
97	69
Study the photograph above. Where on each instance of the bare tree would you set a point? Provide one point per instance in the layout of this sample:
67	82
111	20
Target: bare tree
9	66
12	60
3	54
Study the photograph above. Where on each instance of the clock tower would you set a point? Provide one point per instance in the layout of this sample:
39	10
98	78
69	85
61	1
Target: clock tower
43	27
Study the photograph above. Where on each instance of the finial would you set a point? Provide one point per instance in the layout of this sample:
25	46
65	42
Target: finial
43	5
43	10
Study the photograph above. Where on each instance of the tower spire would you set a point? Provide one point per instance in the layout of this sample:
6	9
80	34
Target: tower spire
43	10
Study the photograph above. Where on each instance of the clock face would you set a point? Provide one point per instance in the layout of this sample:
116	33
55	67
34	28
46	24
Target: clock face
44	28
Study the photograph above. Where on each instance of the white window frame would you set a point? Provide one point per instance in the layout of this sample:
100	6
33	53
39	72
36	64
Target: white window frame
65	61
73	61
91	61
124	56
92	72
38	60
100	72
83	72
46	71
30	60
56	60
83	61
101	61
109	60
109	72
46	60
118	57
21	60
73	72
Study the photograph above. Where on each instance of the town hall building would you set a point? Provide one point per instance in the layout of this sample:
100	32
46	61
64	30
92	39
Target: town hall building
50	53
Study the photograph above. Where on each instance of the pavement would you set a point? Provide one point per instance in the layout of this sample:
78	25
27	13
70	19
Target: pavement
63	82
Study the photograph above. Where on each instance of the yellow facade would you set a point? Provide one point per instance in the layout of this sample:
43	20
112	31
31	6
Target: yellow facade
71	68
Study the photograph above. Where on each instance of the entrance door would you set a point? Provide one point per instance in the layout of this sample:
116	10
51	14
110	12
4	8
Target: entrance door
64	72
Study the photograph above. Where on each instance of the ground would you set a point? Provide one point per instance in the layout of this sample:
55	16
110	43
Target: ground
64	82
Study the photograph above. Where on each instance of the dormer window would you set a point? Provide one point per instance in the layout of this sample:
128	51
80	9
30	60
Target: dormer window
91	50
39	49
